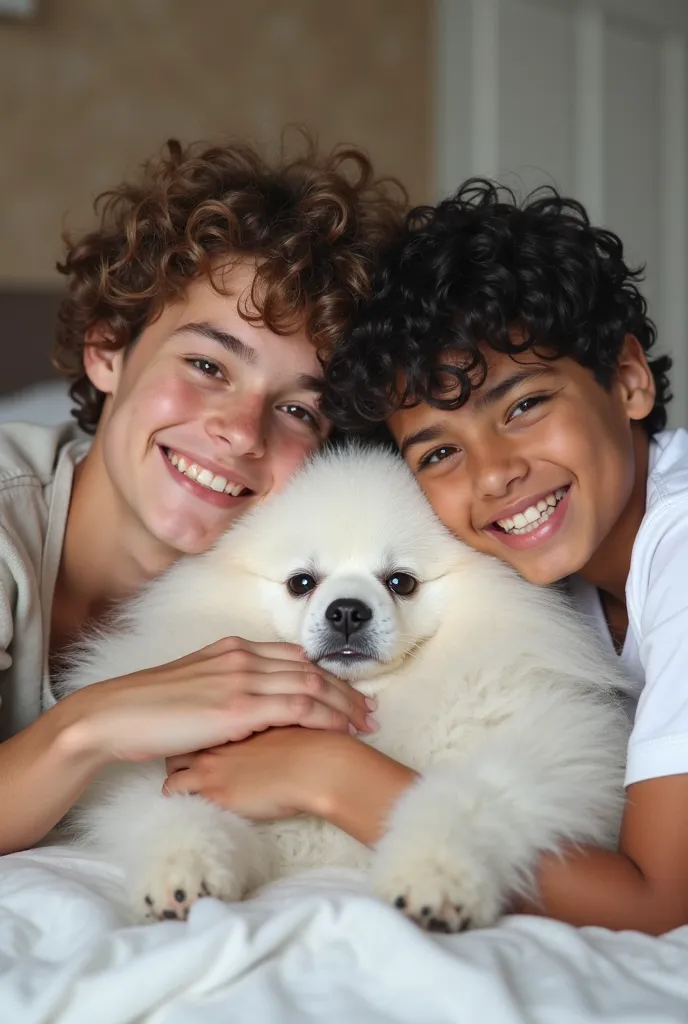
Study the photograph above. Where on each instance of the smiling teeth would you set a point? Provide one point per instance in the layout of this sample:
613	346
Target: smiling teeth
534	515
204	477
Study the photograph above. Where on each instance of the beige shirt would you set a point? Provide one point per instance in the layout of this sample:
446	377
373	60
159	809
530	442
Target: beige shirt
36	475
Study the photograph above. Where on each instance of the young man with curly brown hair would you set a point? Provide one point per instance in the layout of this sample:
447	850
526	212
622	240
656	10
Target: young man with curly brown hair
193	326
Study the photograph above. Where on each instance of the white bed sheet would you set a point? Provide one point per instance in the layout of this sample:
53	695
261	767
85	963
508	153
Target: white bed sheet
314	949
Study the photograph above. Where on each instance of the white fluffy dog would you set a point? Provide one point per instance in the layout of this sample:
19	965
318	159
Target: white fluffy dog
491	688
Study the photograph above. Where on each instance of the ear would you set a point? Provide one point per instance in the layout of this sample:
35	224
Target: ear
103	363
634	380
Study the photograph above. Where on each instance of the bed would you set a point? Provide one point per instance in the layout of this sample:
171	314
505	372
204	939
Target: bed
313	949
316	948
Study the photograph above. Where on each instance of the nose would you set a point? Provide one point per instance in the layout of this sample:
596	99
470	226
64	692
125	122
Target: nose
241	424
496	467
347	614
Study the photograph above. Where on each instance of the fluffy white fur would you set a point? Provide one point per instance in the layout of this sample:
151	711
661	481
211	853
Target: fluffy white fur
491	688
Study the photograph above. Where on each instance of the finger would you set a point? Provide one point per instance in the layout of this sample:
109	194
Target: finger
261	712
231	644
308	668
185	781
342	699
368	702
278	650
263	649
257	666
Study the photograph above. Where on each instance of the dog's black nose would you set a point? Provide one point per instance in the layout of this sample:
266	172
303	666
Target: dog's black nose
348	614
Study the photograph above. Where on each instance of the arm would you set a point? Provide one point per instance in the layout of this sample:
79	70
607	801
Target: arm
43	771
361	790
284	772
290	771
224	692
643	886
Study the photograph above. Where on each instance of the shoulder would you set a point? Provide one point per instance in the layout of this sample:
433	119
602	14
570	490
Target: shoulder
33	460
30	453
666	512
659	561
668	474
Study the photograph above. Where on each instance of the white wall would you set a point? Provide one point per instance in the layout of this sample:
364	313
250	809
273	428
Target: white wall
591	95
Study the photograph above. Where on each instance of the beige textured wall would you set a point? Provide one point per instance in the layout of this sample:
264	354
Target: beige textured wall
93	87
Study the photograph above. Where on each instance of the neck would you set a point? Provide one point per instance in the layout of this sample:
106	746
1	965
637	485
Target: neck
107	555
609	567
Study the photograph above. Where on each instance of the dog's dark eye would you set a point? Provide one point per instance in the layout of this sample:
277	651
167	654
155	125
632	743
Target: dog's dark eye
402	584
301	584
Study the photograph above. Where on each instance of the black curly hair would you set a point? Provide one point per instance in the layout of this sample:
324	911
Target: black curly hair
481	269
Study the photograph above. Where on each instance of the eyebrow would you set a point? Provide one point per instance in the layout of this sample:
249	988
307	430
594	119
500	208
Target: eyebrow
420	437
485	398
228	341
304	382
496	392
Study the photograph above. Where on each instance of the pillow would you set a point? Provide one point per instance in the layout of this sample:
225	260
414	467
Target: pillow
47	404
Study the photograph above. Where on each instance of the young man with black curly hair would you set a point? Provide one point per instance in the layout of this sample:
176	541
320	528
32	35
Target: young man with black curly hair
508	349
193	326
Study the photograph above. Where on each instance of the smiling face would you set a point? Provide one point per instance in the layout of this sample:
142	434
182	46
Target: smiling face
541	463
206	415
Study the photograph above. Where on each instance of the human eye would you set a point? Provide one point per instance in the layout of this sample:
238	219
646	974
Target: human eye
299	412
527	404
437	455
206	367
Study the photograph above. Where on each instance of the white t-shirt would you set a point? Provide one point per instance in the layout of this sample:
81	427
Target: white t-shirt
655	652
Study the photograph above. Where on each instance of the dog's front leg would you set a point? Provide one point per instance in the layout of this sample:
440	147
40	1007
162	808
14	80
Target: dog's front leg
173	849
466	837
436	861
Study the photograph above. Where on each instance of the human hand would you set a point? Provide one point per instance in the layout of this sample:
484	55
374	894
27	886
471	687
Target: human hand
220	694
278	774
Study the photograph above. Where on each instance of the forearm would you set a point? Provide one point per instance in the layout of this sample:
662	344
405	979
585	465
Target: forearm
43	771
362	785
591	886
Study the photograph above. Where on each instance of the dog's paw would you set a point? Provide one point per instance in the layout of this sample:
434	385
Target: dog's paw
439	891
169	885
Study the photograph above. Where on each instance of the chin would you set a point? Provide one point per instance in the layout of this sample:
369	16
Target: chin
184	534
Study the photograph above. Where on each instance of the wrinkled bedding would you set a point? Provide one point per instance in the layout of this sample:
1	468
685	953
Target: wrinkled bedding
315	948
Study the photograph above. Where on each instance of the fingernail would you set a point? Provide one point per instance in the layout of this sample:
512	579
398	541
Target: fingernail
372	723
371	703
353	730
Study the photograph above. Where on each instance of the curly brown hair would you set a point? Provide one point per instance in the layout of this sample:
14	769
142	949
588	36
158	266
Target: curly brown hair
314	226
